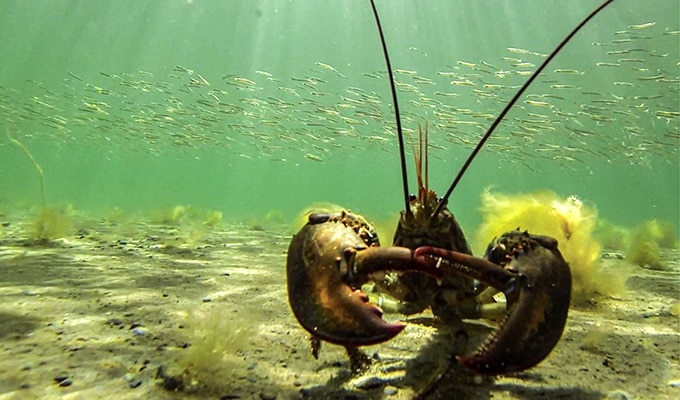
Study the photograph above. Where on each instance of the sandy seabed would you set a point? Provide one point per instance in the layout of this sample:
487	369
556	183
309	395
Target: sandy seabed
130	311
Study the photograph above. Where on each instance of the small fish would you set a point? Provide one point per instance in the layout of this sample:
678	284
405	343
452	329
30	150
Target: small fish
650	78
488	65
74	76
522	51
538	103
642	26
370	75
422	81
180	68
447	94
467	64
465	82
313	157
289	90
329	68
615	52
569	71
244	81
668	114
563	86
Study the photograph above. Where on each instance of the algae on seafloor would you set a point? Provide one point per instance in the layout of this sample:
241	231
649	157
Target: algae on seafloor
595	339
218	336
612	237
50	223
186	215
646	241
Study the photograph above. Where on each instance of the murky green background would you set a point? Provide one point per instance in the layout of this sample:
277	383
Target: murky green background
93	89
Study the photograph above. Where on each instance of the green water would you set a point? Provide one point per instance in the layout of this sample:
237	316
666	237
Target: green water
287	103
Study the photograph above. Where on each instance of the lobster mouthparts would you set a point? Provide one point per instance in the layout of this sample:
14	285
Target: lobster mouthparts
327	262
536	281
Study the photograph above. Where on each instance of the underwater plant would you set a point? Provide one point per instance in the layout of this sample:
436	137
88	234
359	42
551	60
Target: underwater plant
645	253
661	232
674	310
37	166
595	339
170	216
213	218
569	221
179	215
49	223
612	237
218	340
52	223
646	242
274	217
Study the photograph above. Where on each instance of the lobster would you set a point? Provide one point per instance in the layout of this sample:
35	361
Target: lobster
334	254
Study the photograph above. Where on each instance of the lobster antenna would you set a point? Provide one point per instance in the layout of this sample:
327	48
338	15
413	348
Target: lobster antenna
400	135
499	118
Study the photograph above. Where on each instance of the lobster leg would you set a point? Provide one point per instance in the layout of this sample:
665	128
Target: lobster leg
536	281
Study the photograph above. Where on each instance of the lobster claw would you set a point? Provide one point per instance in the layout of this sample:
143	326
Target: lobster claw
536	281
328	260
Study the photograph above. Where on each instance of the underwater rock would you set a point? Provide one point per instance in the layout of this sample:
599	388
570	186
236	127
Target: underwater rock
169	383
140	331
369	382
135	384
114	322
63	381
612	256
267	395
619	395
390	390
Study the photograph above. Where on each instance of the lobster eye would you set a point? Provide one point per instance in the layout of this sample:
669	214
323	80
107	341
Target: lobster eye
412	197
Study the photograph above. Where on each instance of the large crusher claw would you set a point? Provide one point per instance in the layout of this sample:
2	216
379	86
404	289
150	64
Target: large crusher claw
536	281
328	261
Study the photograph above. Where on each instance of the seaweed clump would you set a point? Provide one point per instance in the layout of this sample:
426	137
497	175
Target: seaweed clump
646	242
215	361
190	226
50	223
569	220
612	237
